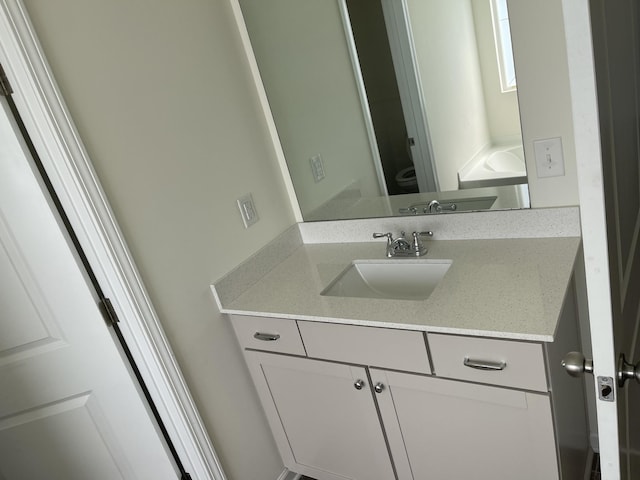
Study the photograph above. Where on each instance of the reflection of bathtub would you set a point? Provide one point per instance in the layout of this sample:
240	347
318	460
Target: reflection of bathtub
497	166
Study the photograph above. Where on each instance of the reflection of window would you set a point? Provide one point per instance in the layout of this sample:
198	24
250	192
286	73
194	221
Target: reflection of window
502	36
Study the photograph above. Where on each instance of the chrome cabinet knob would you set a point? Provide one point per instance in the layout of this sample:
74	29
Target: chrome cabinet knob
576	365
359	384
379	387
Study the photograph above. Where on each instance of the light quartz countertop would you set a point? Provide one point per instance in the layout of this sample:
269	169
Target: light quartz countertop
507	288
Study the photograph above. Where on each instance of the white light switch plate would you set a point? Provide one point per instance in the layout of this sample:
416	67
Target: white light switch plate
549	159
247	210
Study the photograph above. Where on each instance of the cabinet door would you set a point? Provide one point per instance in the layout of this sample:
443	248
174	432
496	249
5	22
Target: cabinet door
449	430
324	425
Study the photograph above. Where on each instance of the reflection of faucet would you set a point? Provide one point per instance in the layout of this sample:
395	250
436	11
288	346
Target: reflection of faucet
434	206
401	247
412	209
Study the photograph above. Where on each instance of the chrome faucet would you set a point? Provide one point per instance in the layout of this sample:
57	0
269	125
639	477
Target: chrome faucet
401	247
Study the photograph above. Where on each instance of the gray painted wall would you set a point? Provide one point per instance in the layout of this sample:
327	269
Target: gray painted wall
163	100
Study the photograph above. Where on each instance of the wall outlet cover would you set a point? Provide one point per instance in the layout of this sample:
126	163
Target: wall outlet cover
248	210
317	167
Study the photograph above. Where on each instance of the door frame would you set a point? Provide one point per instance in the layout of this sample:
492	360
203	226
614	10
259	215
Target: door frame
586	127
67	164
405	63
362	94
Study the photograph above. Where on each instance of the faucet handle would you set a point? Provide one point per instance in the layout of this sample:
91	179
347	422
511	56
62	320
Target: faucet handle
388	235
417	244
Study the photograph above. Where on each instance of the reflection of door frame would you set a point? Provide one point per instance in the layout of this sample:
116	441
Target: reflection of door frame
586	127
362	94
65	160
411	97
396	15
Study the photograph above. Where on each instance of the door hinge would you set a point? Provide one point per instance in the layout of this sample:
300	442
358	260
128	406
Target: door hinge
109	313
5	86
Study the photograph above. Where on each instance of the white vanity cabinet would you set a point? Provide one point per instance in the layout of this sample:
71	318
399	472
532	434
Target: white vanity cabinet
367	403
323	417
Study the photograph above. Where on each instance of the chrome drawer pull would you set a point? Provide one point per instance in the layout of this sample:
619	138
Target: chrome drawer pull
266	337
484	364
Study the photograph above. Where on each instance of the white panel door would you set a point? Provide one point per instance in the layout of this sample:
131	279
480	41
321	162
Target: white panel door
616	44
604	62
69	408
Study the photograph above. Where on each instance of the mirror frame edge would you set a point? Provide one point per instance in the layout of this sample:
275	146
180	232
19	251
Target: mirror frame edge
266	109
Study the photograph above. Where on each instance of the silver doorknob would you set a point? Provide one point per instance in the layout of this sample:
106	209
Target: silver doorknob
379	387
359	384
576	365
627	371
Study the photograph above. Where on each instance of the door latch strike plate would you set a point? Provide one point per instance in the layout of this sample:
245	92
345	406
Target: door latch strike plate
606	389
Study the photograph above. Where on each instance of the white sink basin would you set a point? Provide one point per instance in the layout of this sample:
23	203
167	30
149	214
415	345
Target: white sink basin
399	279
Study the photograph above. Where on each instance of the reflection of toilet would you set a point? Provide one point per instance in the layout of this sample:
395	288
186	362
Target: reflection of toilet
406	179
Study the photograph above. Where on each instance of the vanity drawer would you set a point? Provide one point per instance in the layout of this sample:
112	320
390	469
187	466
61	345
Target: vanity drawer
270	334
378	347
497	362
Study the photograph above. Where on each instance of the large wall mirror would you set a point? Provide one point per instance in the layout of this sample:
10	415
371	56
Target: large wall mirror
392	107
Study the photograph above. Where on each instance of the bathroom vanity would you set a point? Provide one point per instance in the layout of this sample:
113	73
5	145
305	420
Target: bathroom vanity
466	383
